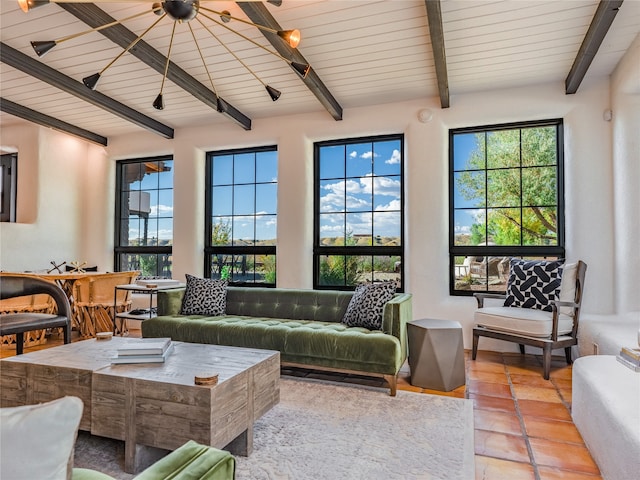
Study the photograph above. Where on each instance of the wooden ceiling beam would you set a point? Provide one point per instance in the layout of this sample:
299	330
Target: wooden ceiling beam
45	73
600	24
122	36
26	113
258	13
436	32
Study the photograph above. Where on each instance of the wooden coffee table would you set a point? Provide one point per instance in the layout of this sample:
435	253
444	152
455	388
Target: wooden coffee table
152	404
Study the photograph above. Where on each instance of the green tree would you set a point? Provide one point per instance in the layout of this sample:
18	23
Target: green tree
340	269
220	235
269	268
148	265
519	190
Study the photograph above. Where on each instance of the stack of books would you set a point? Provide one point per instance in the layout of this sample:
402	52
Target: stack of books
144	350
630	357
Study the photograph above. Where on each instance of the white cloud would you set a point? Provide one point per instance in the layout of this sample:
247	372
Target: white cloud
353	154
331	230
381	185
395	158
393	205
161	210
358	194
335	200
369	155
458	229
165	234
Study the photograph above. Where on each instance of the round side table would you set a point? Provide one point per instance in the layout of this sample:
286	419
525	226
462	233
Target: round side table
436	354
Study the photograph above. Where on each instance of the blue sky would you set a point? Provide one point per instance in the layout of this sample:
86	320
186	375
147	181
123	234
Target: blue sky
360	187
154	190
369	196
245	193
464	145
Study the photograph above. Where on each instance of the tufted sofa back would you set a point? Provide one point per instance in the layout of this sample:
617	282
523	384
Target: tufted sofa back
296	304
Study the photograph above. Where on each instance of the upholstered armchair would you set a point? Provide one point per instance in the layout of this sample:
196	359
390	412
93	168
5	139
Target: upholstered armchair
530	313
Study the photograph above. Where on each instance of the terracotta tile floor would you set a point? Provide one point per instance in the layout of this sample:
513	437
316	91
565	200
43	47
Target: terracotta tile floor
523	426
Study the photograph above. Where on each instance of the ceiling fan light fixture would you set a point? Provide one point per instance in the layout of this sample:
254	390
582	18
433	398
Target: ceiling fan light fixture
292	37
91	81
42	47
301	68
26	5
273	93
158	103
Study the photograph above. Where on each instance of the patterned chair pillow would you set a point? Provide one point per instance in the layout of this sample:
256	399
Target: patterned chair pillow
204	296
367	304
533	283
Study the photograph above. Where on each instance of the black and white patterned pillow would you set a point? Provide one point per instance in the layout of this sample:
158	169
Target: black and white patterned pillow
367	304
204	296
533	283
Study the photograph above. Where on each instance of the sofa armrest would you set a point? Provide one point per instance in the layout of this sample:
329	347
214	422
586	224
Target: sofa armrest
194	461
87	474
397	312
170	301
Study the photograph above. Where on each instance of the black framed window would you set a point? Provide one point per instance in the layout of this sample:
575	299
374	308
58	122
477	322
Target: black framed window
241	216
144	216
358	211
506	192
8	184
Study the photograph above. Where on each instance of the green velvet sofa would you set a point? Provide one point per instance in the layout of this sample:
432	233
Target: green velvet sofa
304	325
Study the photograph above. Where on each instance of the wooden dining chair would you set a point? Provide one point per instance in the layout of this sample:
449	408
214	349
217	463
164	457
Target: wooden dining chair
23	319
36	303
97	301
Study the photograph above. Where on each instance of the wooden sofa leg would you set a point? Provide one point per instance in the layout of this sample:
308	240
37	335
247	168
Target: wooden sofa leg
567	354
474	351
521	348
546	362
392	380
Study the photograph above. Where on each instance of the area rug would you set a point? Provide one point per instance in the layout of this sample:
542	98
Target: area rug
329	431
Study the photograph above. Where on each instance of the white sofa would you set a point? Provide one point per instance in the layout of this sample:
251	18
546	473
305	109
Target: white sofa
606	334
606	394
606	410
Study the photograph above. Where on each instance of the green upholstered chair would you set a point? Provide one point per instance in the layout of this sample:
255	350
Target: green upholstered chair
191	461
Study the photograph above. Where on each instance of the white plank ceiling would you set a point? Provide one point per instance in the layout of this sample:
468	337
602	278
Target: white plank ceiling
365	52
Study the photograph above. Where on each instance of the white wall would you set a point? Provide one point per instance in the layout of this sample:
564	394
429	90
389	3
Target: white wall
625	104
66	188
589	183
62	192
